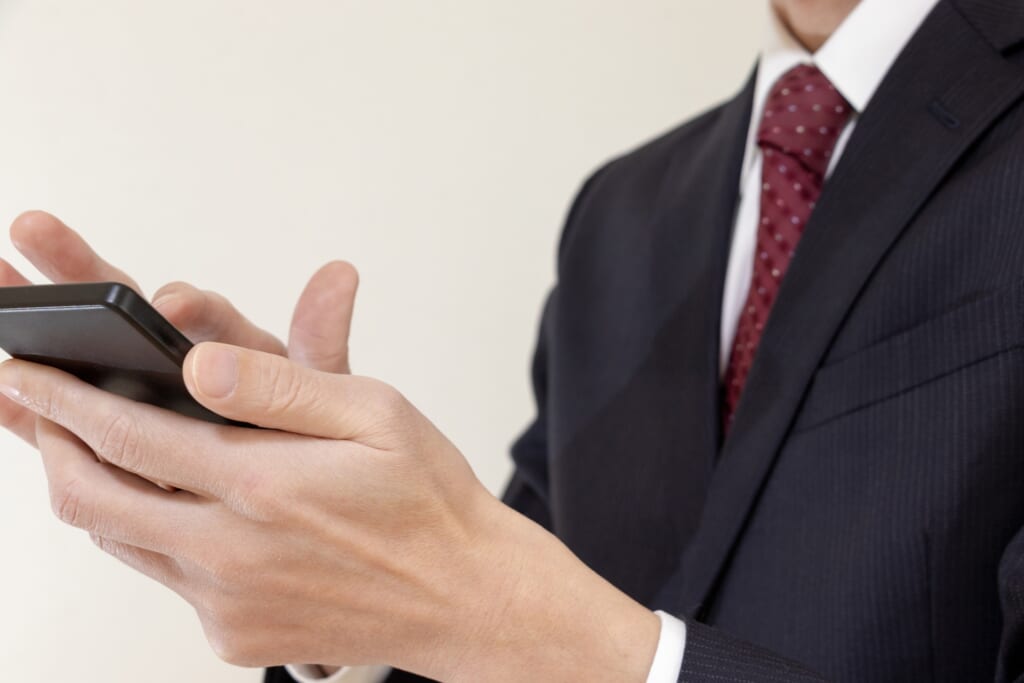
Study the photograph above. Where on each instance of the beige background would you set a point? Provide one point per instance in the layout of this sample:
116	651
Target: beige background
240	144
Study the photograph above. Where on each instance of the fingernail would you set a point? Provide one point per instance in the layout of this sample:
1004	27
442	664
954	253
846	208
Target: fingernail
215	371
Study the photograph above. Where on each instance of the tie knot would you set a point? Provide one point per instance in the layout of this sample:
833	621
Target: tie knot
803	117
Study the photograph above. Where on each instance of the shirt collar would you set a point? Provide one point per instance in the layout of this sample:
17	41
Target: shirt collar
855	58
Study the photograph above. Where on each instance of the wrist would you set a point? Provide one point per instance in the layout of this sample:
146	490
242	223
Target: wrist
531	605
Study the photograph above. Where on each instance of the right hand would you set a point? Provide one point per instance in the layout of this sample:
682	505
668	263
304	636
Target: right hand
320	326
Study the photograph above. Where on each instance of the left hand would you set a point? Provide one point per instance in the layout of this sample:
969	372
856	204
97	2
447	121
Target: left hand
349	531
318	337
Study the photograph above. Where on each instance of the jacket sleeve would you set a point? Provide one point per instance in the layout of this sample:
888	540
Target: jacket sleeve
527	491
714	657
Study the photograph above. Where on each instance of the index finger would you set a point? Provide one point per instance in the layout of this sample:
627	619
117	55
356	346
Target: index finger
60	253
104	500
156	444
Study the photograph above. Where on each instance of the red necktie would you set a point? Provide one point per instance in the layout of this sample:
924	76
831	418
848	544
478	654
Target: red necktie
803	118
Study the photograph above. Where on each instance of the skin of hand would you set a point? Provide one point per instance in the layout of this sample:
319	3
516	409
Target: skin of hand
349	530
320	324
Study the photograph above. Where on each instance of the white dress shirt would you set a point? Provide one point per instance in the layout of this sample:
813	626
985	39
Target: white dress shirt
855	59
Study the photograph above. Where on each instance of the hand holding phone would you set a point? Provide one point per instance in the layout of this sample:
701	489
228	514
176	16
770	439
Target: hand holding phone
105	334
320	325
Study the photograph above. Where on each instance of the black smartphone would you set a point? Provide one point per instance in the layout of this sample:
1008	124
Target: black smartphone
105	334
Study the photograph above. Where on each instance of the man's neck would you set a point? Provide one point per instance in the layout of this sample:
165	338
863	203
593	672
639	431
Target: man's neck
812	21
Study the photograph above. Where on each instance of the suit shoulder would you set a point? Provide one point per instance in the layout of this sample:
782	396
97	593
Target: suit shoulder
662	147
632	181
653	155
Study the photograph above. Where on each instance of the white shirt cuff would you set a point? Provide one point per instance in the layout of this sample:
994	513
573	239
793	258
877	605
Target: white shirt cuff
668	658
310	673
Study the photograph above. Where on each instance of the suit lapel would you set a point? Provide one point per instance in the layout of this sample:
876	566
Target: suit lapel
691	249
932	105
1001	22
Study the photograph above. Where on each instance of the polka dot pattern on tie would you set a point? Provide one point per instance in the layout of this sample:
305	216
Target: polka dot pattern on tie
803	118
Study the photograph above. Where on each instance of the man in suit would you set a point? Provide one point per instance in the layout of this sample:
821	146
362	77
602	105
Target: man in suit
779	391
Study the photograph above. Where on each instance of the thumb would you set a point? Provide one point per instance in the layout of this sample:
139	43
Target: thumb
275	393
322	320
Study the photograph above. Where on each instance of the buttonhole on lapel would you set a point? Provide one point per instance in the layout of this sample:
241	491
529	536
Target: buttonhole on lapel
944	115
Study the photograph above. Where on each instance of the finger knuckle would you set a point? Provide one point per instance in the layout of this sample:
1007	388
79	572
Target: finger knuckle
48	401
214	314
217	301
327	357
257	495
175	288
190	310
120	442
282	388
108	546
70	505
392	402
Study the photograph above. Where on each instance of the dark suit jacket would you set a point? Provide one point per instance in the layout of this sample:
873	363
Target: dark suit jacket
862	520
